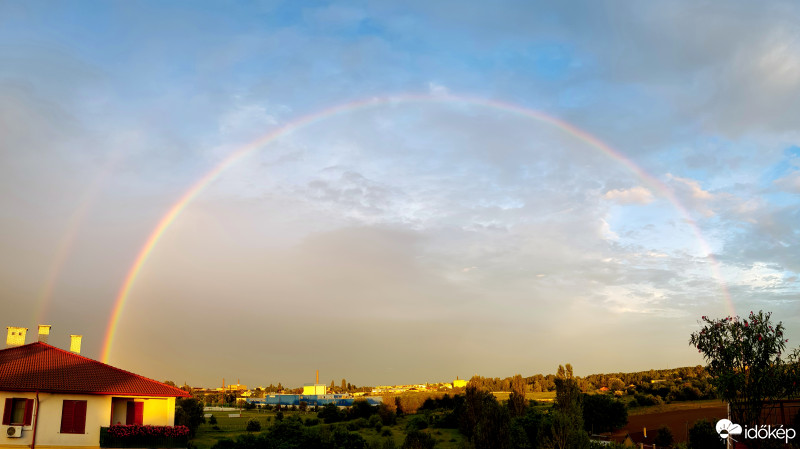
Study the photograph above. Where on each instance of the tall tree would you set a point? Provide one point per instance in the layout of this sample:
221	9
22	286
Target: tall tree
516	401
566	431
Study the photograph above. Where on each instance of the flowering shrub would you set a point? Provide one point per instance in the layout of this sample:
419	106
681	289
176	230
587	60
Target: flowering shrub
148	431
144	436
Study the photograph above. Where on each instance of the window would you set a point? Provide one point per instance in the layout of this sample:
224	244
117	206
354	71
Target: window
73	416
18	412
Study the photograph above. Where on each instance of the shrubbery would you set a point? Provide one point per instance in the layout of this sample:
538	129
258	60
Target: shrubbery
253	425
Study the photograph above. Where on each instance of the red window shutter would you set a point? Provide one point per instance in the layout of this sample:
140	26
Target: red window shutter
67	416
79	421
139	413
7	411
28	412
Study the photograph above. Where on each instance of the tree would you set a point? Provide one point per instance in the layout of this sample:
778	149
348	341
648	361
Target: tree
566	428
189	412
602	413
388	417
398	406
253	425
484	421
516	401
664	437
342	439
330	414
615	383
702	435
418	440
744	360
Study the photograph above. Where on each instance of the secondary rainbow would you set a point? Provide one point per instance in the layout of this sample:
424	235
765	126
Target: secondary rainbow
208	178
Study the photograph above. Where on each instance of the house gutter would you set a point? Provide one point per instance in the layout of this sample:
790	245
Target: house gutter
35	421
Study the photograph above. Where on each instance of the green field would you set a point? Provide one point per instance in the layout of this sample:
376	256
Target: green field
207	436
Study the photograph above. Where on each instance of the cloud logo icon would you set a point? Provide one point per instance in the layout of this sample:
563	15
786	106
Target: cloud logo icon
725	428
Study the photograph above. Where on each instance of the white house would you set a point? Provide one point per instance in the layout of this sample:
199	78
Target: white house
52	398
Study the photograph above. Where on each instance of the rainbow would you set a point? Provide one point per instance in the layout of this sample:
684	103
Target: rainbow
176	209
69	237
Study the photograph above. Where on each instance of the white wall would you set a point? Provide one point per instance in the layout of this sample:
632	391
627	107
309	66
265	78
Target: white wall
157	412
48	421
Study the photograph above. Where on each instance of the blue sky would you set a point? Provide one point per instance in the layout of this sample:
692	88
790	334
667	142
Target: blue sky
412	240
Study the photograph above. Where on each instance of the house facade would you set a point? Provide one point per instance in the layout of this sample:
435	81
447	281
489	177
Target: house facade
52	398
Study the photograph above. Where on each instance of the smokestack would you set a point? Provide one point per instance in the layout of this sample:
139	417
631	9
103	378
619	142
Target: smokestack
16	336
317	382
75	343
44	332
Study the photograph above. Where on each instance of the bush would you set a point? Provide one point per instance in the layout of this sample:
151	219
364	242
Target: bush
253	425
703	435
347	440
311	422
418	440
361	409
664	437
330	414
416	423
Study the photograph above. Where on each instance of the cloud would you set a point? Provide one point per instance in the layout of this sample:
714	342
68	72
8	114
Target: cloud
634	195
691	195
363	228
789	183
437	89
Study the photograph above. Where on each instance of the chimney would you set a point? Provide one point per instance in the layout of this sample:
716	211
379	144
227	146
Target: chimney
44	332
75	343
16	336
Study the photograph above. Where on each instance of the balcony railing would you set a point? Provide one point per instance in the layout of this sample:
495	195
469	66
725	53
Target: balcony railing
136	436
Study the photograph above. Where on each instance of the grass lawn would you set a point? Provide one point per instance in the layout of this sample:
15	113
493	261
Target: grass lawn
207	436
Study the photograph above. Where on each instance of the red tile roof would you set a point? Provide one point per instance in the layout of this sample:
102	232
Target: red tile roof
41	367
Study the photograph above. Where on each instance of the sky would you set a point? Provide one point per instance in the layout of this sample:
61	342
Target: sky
396	192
